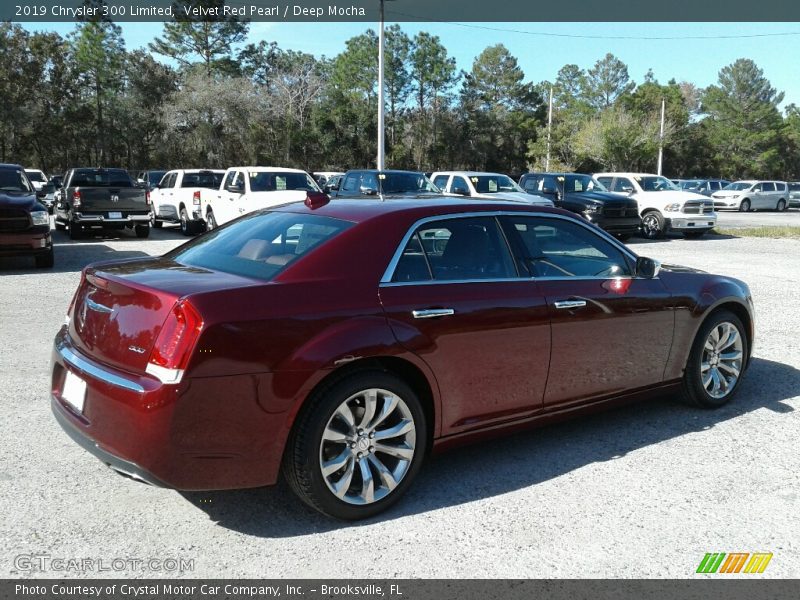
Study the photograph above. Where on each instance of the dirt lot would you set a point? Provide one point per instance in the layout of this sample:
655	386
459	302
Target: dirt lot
643	491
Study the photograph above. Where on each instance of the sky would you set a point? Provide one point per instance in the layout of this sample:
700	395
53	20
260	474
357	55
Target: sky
697	56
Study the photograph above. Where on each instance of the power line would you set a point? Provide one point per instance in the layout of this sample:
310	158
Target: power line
602	37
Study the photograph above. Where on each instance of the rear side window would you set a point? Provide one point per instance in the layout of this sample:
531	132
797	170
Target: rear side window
456	249
768	186
260	245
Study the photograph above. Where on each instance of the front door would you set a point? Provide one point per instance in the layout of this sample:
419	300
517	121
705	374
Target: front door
456	301
611	332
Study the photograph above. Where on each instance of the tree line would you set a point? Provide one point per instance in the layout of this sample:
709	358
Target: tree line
85	99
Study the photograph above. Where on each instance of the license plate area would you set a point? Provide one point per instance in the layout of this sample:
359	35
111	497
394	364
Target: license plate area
115	215
74	391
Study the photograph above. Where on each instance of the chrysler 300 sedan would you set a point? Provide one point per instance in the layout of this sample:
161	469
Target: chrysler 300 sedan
340	342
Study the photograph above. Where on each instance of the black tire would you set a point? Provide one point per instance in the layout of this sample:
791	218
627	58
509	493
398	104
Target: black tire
781	206
744	206
301	460
653	225
155	222
45	261
211	222
694	235
60	226
142	231
75	230
693	387
187	227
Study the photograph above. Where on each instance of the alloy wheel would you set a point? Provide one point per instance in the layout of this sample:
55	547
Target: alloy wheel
650	226
721	360
367	446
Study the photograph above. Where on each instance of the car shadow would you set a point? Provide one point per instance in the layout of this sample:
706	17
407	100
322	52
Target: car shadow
514	462
672	237
69	258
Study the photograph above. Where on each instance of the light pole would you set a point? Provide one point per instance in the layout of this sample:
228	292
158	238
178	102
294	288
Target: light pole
381	135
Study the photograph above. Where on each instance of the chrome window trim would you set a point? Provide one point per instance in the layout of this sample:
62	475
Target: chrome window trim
84	365
386	279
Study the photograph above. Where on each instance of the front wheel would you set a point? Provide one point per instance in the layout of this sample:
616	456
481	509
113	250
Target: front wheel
357	445
653	226
744	206
781	205
717	361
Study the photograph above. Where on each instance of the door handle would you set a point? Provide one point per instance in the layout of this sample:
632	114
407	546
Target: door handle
432	313
569	304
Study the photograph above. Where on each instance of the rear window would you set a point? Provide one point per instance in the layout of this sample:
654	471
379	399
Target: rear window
260	245
204	180
35	176
101	178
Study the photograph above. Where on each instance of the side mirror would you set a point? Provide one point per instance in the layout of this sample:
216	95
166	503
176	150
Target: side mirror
549	190
235	188
647	268
460	190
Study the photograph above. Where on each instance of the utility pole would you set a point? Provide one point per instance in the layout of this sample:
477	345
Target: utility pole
381	135
661	137
549	130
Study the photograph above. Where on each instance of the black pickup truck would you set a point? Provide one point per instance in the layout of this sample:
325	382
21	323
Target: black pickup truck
583	194
101	198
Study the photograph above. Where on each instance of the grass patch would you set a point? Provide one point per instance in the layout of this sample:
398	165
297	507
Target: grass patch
780	232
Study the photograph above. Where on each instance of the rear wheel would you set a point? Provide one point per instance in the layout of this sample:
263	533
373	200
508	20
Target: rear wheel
187	227
717	360
45	261
744	206
155	222
75	230
653	225
357	445
781	205
142	231
211	222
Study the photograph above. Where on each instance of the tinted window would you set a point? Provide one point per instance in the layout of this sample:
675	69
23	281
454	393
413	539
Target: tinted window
101	178
260	245
459	249
560	248
413	264
768	187
781	187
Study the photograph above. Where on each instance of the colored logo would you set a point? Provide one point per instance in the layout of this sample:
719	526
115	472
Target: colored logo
734	562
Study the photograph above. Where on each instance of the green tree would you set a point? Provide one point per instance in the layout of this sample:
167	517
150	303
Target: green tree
397	80
606	81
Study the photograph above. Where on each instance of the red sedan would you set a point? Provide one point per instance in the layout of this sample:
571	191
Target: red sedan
341	342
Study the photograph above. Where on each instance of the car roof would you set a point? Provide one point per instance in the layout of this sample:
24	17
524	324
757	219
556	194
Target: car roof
384	171
555	173
362	210
622	174
267	169
469	173
10	166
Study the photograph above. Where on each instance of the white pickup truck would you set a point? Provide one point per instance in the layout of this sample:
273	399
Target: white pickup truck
245	189
663	206
178	196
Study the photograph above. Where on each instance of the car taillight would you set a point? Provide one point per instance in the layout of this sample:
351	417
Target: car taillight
147	197
76	198
196	198
175	342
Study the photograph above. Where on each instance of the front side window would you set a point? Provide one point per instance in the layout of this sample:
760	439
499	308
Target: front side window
260	245
262	181
531	183
655	183
492	184
456	249
576	184
621	184
560	248
441	181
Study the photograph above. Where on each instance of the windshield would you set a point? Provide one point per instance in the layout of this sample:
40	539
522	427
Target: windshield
101	178
404	183
654	183
14	181
576	184
203	179
36	176
692	184
259	245
492	184
739	186
261	181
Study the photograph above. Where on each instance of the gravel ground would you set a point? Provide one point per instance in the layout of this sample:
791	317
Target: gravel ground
643	491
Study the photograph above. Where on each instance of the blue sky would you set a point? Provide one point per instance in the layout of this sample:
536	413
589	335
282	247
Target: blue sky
697	60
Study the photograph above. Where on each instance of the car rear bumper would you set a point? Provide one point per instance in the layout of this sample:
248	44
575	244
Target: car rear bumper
691	222
25	243
202	434
97	219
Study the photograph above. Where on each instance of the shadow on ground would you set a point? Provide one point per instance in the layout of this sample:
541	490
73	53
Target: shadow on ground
515	462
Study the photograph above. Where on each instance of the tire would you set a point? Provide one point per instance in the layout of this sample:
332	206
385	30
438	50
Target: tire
45	261
60	226
155	222
694	235
75	230
693	385
187	227
653	225
211	222
142	231
781	206
744	206
307	449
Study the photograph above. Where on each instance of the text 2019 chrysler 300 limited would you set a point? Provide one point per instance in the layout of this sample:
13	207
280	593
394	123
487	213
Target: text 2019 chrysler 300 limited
339	342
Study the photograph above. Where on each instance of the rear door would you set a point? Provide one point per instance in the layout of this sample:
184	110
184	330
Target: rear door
455	299
767	198
611	332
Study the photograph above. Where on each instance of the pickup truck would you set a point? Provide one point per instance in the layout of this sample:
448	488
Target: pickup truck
484	186
101	198
178	196
24	222
245	189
